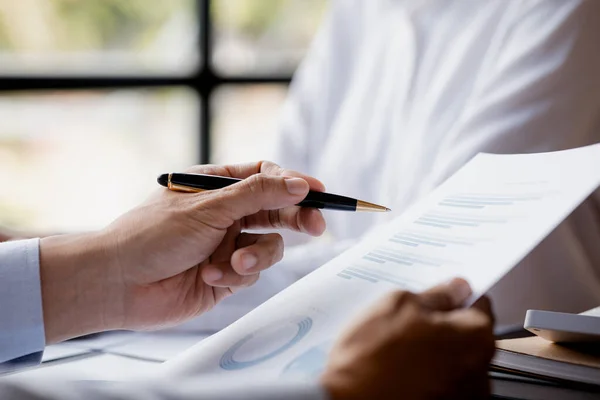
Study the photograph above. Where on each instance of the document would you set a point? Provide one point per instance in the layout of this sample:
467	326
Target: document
91	367
477	225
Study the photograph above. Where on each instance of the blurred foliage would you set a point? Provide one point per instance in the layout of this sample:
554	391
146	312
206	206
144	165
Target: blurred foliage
117	23
98	24
249	16
253	17
13	215
132	24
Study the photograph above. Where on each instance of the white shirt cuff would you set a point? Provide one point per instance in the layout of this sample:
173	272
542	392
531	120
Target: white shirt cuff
22	337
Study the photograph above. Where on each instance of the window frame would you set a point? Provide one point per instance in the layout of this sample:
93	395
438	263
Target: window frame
204	80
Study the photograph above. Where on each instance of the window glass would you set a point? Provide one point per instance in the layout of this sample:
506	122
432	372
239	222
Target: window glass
245	121
63	37
263	36
73	161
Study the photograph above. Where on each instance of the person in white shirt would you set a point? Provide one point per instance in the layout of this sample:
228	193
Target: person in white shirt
177	255
396	95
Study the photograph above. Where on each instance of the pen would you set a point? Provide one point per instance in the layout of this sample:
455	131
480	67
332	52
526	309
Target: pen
193	183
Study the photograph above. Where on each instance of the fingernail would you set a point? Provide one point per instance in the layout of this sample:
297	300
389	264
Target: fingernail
249	261
296	186
212	274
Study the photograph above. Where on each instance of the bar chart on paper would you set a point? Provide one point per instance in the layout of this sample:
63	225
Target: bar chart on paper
447	220
480	201
478	224
438	236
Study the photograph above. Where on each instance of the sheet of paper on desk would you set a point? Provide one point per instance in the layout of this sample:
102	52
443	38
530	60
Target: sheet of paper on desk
157	346
478	225
95	367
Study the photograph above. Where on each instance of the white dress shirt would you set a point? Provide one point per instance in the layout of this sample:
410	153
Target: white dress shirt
396	95
22	338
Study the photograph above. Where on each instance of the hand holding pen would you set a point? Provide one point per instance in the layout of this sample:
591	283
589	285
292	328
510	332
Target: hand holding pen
175	256
194	183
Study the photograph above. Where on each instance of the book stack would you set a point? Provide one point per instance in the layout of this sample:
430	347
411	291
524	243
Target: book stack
534	368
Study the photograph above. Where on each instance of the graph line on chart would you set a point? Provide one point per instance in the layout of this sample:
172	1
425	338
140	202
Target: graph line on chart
383	255
483	200
417	239
446	220
375	276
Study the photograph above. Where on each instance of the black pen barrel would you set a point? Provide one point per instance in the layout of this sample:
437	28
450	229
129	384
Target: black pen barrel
210	182
328	201
206	182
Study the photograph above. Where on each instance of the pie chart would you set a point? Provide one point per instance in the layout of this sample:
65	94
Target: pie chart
265	343
309	364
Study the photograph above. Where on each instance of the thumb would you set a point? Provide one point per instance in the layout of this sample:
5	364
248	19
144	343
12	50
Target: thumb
259	192
446	297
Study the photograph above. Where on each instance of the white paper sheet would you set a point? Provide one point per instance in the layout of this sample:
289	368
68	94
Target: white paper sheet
157	346
61	351
478	225
97	367
101	341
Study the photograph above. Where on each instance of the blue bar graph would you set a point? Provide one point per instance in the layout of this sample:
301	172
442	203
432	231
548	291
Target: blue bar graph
479	202
482	200
447	204
371	276
431	240
415	240
449	218
382	258
420	222
442	221
494	197
401	258
406	243
360	275
377	260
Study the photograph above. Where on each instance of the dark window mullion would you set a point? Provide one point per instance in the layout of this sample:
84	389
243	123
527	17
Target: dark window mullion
26	83
19	83
205	79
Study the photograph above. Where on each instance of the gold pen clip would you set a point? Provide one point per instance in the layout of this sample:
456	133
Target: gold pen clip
181	188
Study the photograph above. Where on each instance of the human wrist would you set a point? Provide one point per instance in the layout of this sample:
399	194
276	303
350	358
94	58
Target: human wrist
79	292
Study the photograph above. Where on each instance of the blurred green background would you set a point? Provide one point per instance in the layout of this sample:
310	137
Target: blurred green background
73	24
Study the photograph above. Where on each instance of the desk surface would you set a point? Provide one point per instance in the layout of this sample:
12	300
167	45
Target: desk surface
122	355
113	356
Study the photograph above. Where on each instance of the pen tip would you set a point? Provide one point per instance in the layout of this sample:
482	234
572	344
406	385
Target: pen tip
370	207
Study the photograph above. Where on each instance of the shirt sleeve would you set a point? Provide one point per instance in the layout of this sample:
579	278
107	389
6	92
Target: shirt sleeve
22	337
